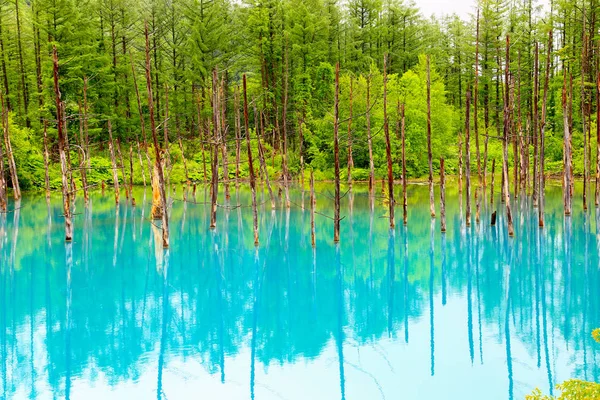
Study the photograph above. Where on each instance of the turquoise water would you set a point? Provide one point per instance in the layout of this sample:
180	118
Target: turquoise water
408	314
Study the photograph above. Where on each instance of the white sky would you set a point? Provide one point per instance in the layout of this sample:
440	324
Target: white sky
443	7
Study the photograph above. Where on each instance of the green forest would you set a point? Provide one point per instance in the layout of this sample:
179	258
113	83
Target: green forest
288	50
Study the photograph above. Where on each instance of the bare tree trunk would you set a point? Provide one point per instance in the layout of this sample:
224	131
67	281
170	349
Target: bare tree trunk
131	175
336	155
370	141
263	164
61	148
46	161
507	108
82	159
442	197
115	168
223	135
214	183
201	136
250	166
468	156
238	135
475	105
536	95
350	157
429	153
313	205
586	155
3	196
285	139
492	181
24	86
12	167
142	126
388	146
566	150
404	182
542	183
460	163
122	169
157	151
597	193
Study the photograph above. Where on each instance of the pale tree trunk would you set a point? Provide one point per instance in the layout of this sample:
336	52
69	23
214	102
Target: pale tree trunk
468	157
542	183
113	160
61	148
442	197
336	155
388	146
46	161
566	150
404	181
370	141
429	152
12	166
507	108
250	166
350	158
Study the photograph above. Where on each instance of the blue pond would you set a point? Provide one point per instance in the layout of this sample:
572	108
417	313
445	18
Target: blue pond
408	313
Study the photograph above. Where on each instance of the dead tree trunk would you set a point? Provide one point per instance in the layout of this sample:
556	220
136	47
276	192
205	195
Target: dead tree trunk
492	181
223	135
370	141
336	155
507	108
536	96
250	165
214	182
468	156
285	139
475	105
61	149
460	164
313	205
597	193
82	159
3	196
442	197
388	146
429	153
12	167
542	183
122	162
157	152
46	161
142	127
238	135
404	182
113	160
263	163
566	150
586	156
350	157
131	174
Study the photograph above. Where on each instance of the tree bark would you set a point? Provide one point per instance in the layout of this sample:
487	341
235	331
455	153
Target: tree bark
12	166
46	161
61	148
566	150
429	152
507	108
157	151
350	157
442	197
542	183
113	160
336	155
388	146
468	156
250	166
404	182
370	141
313	205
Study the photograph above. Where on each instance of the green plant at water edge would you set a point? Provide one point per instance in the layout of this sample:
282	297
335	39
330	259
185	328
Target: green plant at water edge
573	389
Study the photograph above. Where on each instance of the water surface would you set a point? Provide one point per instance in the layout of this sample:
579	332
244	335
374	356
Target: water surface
408	313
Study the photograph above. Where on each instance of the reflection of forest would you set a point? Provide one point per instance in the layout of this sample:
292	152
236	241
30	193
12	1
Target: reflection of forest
215	294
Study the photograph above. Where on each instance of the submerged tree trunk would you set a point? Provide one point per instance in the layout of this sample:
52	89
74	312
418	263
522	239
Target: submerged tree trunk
46	161
157	152
388	146
566	150
442	197
429	153
113	160
507	108
370	141
3	197
350	157
313	205
250	166
404	183
468	156
12	166
336	155
61	148
542	183
214	166
535	125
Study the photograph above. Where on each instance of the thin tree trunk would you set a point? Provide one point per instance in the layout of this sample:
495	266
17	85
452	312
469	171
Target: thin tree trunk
586	155
492	181
24	86
113	160
536	95
597	194
238	134
122	162
46	161
475	105
442	196
82	159
157	151
142	125
313	205
12	166
285	139
350	157
336	155
61	148
429	152
566	150
3	196
507	108
542	183
263	164
468	156
250	166
370	141
404	182
388	146
223	135
214	183
131	175
460	163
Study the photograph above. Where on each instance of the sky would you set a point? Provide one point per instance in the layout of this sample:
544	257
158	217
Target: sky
441	7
